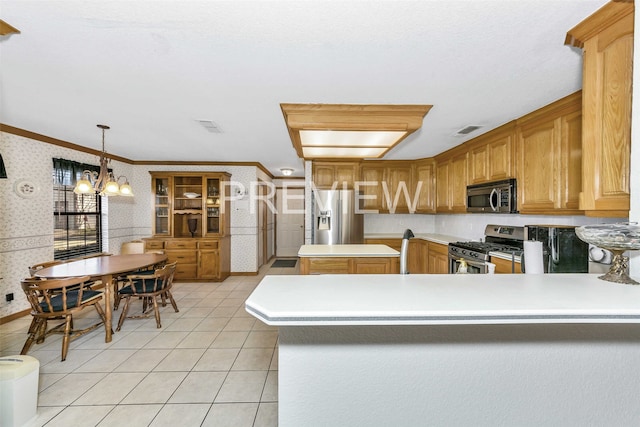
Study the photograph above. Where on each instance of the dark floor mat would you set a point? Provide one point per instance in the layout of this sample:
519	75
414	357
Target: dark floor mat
284	263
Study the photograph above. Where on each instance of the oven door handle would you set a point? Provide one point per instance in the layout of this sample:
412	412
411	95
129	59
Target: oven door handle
494	193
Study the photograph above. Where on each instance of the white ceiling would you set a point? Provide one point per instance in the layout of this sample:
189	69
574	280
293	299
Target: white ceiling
151	69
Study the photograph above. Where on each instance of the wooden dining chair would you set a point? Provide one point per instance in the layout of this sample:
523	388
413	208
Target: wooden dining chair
39	266
148	287
126	248
132	247
59	299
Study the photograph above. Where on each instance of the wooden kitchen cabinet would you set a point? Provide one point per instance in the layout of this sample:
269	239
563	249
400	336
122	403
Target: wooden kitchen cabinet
451	181
506	267
491	156
442	185
349	265
194	231
325	174
416	256
417	262
390	186
549	158
372	177
424	173
401	191
437	258
606	38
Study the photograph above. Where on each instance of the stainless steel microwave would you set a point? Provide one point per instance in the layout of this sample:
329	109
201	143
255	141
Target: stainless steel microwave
493	197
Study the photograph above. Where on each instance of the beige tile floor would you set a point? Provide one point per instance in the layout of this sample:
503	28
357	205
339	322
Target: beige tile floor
211	364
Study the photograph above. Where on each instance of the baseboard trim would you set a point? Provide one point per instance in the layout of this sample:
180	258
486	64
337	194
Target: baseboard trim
244	273
14	316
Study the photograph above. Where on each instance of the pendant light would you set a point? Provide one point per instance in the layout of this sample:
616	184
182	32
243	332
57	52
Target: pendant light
103	182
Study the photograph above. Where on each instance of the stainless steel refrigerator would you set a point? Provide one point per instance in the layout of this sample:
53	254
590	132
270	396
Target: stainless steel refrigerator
335	220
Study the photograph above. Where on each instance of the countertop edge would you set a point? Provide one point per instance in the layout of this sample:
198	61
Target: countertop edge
345	251
442	239
438	320
442	300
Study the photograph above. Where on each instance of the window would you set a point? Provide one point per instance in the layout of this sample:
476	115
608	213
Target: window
77	228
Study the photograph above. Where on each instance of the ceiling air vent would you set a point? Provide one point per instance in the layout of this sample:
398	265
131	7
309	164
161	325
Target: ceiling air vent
467	130
210	125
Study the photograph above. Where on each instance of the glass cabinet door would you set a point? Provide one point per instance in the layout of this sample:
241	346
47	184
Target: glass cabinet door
161	224
213	206
187	206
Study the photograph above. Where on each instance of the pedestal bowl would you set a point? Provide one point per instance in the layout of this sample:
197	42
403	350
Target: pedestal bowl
617	238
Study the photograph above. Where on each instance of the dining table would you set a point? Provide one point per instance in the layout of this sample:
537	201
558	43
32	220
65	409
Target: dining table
103	268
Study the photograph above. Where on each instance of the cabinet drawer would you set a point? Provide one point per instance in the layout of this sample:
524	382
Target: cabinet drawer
154	244
181	244
185	271
183	257
208	244
328	265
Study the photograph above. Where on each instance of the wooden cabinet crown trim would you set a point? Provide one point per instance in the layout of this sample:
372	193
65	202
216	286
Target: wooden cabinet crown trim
607	15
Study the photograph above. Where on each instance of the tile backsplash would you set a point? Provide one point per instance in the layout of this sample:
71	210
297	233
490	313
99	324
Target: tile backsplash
466	226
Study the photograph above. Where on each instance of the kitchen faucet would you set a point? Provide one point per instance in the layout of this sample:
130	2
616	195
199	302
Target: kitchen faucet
408	234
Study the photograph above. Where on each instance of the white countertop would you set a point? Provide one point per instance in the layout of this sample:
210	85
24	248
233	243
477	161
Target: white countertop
424	299
347	251
443	239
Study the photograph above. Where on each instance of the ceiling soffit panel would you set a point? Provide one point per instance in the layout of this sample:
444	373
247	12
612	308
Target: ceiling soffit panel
325	128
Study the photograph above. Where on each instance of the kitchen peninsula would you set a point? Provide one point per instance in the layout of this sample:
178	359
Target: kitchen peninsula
348	259
364	350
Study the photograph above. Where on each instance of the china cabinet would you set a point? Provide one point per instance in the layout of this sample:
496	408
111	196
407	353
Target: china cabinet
191	216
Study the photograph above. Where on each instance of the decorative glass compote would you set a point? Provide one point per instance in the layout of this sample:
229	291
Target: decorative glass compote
617	238
192	224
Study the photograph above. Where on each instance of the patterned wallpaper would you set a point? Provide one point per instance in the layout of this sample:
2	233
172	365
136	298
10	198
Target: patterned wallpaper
26	224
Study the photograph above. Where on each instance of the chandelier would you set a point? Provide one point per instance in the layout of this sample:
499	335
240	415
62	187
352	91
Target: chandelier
103	182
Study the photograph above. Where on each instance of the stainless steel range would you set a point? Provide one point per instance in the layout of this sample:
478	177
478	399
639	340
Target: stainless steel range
498	238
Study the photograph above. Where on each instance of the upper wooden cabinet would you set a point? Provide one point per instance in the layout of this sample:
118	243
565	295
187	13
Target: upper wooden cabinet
325	174
607	41
400	192
491	156
389	186
451	181
372	178
424	176
549	161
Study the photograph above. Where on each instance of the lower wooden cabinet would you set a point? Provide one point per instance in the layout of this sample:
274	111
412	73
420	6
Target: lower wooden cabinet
421	259
438	258
417	256
504	266
349	265
198	259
